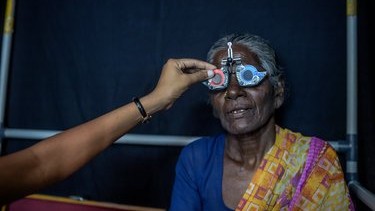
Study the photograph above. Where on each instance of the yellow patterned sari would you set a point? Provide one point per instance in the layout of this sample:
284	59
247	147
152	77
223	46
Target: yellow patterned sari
297	173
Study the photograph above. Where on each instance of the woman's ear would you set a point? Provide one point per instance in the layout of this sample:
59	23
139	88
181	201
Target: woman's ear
279	94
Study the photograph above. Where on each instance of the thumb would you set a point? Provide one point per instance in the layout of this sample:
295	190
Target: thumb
200	76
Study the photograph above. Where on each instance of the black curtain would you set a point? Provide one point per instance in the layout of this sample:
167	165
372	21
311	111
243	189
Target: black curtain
75	60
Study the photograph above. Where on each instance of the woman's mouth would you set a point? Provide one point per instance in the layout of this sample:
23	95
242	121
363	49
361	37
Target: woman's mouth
238	113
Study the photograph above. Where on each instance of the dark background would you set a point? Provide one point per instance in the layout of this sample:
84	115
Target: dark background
74	60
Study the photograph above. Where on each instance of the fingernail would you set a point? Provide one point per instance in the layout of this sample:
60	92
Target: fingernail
210	73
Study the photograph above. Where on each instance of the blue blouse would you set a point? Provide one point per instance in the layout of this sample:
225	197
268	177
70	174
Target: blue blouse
199	176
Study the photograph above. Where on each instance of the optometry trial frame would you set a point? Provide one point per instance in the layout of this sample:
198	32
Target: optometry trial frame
247	75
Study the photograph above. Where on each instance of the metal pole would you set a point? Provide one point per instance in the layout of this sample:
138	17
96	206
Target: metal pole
351	127
351	131
157	140
5	57
363	194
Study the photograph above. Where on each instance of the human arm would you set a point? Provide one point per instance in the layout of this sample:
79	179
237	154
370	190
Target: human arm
57	157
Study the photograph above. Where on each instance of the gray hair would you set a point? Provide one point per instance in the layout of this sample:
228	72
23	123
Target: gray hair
257	45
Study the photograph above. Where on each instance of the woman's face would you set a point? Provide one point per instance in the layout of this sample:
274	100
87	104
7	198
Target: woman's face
243	110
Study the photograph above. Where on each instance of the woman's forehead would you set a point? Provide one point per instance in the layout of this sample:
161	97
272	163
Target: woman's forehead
239	51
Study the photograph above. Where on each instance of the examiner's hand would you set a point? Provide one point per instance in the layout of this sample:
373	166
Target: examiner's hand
176	77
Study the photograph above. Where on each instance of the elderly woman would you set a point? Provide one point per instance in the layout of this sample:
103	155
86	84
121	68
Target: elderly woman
256	164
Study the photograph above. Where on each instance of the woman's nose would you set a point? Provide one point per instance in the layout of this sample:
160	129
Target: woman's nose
234	90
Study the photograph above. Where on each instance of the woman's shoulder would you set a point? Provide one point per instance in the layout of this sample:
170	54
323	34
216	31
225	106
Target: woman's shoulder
298	139
206	142
204	147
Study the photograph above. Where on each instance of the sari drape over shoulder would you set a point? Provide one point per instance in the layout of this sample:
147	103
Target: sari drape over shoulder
297	173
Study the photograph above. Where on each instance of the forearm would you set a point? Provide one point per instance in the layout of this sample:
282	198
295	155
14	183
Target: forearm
57	157
70	150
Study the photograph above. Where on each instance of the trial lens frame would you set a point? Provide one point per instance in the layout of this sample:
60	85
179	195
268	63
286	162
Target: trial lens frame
247	75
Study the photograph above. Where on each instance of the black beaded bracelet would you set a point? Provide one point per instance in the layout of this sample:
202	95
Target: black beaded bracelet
145	116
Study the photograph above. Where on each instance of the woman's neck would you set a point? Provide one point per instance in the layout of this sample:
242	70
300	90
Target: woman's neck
247	150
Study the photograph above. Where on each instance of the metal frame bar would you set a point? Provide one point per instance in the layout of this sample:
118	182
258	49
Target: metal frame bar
351	103
363	194
141	139
5	58
157	140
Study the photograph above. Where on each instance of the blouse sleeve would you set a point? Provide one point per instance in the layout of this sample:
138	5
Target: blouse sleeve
185	195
